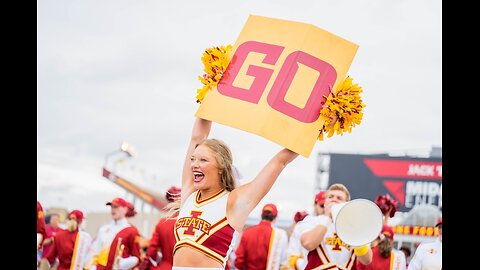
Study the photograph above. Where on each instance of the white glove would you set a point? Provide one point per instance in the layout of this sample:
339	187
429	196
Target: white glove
93	267
159	257
127	263
154	263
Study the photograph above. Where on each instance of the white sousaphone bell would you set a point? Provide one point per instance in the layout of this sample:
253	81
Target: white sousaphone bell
357	222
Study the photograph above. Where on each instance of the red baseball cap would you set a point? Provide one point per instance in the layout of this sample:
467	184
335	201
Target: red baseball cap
320	197
270	208
118	202
387	231
299	216
173	193
131	210
77	215
439	222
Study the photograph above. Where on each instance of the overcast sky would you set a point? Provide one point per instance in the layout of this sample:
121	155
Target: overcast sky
110	71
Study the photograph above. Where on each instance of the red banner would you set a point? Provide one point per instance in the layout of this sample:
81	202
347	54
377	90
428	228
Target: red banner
405	168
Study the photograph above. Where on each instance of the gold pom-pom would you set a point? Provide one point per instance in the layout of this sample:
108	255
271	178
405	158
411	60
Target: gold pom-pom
342	109
215	61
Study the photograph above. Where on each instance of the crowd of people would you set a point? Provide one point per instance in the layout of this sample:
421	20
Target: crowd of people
204	228
262	246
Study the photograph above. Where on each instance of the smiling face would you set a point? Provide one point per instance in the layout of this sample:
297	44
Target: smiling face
205	169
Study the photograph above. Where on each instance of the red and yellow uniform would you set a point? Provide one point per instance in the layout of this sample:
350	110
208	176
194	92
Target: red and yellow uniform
70	246
163	240
41	232
396	261
103	251
130	239
202	225
257	250
50	233
62	247
332	253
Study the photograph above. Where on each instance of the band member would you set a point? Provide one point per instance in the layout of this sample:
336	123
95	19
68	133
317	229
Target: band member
384	255
263	246
41	232
70	246
160	247
52	228
318	236
428	255
116	245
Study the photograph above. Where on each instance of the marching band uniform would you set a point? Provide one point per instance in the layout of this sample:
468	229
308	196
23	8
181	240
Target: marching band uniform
101	245
130	239
263	246
50	233
163	241
160	247
103	250
41	232
396	260
70	247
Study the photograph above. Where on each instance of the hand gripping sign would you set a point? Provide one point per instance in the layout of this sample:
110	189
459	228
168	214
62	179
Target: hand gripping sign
275	83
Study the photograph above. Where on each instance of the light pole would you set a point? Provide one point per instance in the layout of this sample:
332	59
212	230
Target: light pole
126	148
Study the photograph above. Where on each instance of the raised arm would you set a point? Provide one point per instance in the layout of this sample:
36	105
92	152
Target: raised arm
201	129
313	237
246	197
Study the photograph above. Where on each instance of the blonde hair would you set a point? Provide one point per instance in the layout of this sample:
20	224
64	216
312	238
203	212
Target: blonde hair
224	159
341	187
173	208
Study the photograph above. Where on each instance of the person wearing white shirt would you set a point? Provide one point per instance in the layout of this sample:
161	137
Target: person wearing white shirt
428	256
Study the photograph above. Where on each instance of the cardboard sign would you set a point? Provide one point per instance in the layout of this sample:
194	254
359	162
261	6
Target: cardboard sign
279	72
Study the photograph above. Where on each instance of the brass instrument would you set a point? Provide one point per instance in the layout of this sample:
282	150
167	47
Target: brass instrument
118	254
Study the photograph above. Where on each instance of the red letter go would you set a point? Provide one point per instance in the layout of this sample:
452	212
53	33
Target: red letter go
276	96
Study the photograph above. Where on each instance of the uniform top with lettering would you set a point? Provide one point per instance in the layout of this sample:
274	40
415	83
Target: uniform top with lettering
332	253
428	256
202	225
